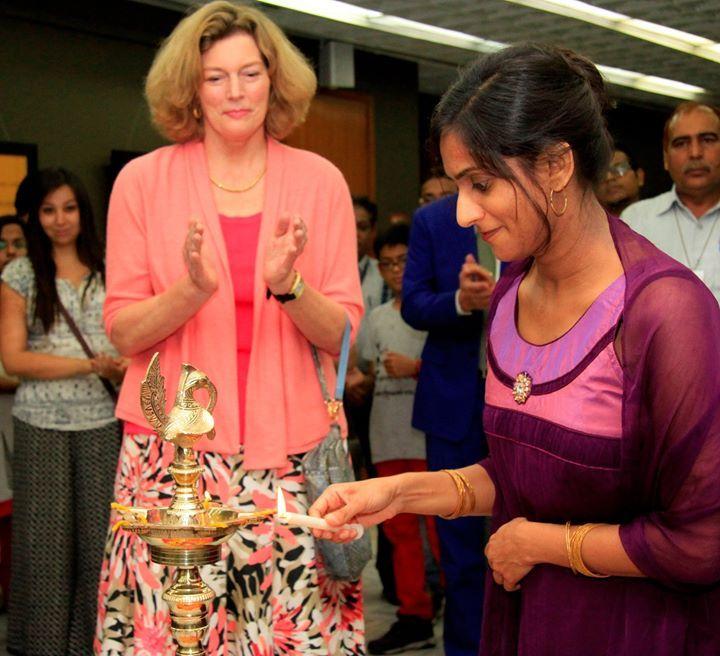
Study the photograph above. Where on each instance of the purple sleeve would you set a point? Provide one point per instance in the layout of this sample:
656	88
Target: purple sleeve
671	351
489	467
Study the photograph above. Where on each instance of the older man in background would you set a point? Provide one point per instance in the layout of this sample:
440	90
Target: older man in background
683	221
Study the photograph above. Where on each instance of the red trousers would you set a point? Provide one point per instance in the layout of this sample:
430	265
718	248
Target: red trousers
403	531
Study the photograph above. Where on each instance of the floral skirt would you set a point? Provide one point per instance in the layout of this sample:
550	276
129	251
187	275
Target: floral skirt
273	596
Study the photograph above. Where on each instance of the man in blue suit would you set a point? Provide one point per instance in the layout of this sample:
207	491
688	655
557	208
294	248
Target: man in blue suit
446	293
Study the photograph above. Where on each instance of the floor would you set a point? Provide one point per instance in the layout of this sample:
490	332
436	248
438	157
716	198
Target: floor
379	615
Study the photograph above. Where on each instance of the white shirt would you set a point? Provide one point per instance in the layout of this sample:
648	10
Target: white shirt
392	436
374	292
674	229
371	282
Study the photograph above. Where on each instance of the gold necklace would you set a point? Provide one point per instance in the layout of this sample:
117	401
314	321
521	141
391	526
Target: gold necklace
238	191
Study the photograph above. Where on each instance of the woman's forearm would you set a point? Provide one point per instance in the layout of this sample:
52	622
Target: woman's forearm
141	325
320	319
434	493
602	550
45	366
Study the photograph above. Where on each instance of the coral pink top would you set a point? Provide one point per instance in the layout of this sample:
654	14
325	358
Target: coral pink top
241	238
152	201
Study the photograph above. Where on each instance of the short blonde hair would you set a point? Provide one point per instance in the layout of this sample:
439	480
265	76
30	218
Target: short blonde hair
172	84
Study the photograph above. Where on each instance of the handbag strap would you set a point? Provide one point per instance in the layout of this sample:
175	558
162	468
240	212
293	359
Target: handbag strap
334	404
85	346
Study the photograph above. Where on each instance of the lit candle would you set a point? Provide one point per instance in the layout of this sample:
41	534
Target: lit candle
306	521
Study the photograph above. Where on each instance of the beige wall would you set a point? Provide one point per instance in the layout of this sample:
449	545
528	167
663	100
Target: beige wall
77	96
76	92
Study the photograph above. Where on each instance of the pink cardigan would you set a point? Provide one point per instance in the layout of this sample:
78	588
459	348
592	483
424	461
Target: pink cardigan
151	203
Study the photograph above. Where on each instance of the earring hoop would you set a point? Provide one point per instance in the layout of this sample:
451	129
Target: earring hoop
196	113
552	203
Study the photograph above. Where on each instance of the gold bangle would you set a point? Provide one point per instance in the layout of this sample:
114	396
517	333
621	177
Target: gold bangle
460	489
576	540
466	495
577	564
568	547
470	493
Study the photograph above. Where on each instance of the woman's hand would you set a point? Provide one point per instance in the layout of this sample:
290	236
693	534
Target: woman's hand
202	273
365	502
283	249
108	367
507	552
398	365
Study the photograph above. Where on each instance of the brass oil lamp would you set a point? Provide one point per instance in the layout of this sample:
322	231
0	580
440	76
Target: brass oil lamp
189	532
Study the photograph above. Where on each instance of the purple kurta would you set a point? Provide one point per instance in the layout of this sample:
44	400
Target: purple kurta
635	444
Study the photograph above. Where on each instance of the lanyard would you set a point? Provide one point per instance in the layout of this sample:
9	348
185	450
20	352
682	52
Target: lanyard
682	240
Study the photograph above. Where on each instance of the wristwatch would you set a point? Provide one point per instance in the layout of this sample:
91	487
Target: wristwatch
296	290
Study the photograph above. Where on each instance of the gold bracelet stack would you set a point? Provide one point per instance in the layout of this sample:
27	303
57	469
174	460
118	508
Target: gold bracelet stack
573	545
466	495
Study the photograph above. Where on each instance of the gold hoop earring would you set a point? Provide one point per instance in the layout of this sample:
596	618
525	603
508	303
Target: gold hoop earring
552	203
197	113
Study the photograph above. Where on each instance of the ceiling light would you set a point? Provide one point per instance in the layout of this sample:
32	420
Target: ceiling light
662	35
651	83
344	12
353	15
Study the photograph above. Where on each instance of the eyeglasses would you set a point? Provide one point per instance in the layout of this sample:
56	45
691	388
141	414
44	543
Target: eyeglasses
398	262
618	170
17	244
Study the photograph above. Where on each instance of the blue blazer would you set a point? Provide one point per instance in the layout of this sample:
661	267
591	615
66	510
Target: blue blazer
447	386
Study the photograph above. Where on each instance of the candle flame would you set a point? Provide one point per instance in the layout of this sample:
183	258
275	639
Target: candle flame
280	503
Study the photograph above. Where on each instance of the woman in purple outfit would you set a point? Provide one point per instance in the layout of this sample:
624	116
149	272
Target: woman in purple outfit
603	391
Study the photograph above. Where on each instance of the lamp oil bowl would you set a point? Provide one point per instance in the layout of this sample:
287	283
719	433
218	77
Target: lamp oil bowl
190	531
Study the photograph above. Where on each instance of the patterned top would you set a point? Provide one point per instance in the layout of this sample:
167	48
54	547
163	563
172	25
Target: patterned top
78	403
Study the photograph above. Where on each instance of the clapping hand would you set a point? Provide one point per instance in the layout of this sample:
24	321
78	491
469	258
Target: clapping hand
283	249
476	285
202	273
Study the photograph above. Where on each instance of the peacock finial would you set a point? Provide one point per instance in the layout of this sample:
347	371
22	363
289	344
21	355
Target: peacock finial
188	420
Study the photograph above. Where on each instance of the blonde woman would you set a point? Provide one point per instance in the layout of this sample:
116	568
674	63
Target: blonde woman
209	262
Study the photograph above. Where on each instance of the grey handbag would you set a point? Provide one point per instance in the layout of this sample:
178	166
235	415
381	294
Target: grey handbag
328	463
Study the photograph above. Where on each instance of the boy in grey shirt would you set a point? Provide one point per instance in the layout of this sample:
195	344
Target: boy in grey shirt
393	349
